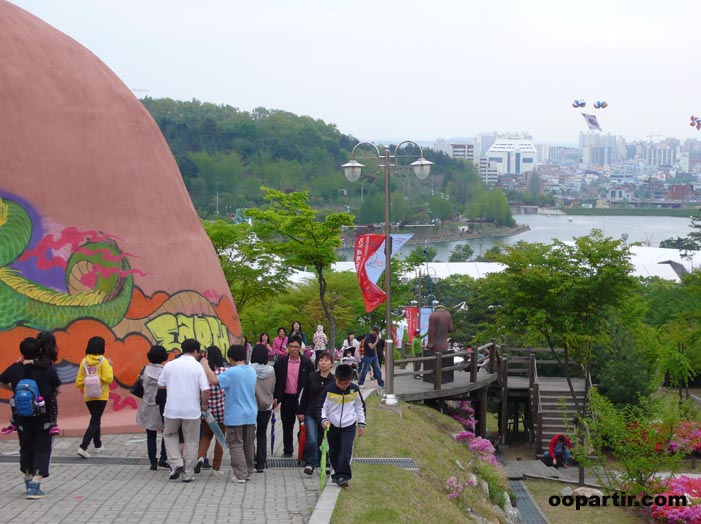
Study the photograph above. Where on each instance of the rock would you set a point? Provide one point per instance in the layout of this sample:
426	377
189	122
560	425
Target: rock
566	492
485	488
587	492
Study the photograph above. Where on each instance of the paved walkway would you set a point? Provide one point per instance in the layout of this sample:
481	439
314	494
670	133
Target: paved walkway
117	486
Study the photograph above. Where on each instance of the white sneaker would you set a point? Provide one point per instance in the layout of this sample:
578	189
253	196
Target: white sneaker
217	472
100	449
83	453
238	481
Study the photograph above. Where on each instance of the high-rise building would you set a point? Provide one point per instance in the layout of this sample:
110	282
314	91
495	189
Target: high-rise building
512	156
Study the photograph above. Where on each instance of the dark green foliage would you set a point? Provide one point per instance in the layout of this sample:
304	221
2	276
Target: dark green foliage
225	155
683	243
461	253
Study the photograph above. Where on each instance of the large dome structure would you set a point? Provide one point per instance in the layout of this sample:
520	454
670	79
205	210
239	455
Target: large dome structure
98	236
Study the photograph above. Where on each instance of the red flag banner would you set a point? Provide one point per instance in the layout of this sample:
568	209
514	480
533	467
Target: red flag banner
412	321
365	247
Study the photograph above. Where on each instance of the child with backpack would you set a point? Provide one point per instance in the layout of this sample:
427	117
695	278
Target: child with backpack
94	377
48	354
31	385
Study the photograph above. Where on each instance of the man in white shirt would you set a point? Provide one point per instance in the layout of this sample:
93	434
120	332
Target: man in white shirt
188	397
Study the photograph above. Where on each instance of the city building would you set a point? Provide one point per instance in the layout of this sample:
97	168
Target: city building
512	156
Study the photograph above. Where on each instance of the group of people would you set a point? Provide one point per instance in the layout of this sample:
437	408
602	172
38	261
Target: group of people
241	398
368	351
278	346
240	395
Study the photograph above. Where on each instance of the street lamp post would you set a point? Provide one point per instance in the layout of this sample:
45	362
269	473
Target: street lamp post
352	169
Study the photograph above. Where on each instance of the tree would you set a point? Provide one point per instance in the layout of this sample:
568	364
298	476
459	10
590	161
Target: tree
461	253
562	294
252	271
681	243
289	228
639	438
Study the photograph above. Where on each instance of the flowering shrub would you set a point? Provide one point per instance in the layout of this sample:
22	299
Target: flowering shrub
689	514
686	438
463	412
483	449
453	487
464	436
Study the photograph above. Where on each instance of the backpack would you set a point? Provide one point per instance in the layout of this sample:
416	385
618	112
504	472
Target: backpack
92	383
26	398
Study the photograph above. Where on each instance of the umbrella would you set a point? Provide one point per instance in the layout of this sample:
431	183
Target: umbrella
216	430
302	440
322	469
272	433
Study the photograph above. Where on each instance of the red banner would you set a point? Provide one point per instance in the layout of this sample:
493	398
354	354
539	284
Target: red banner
365	247
412	321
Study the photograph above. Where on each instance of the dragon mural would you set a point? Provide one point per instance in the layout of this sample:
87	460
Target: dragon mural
98	236
82	285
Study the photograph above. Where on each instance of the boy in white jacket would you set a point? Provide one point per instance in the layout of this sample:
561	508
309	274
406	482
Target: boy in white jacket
342	409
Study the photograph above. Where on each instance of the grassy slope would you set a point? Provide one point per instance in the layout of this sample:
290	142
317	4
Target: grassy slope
541	490
389	494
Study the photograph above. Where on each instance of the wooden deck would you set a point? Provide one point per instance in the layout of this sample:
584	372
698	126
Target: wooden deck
546	383
523	469
407	388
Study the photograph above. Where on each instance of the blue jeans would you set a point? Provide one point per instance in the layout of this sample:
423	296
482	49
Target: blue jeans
312	453
367	362
547	459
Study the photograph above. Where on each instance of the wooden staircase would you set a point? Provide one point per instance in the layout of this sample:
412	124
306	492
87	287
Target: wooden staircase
557	409
552	405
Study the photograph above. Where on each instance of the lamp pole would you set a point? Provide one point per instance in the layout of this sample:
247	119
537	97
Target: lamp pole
422	169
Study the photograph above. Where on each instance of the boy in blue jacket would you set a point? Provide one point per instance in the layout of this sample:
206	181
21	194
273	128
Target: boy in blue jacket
342	409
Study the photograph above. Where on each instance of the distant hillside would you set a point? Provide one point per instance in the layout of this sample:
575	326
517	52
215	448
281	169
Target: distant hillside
225	155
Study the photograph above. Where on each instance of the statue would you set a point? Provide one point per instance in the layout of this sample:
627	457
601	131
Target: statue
440	324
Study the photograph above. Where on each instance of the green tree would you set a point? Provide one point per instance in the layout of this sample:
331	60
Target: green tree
681	243
289	227
562	294
637	437
461	253
252	270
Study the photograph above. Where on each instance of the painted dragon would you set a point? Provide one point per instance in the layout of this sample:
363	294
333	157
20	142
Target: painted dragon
104	296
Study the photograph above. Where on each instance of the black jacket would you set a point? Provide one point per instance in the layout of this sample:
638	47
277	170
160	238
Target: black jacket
309	405
305	367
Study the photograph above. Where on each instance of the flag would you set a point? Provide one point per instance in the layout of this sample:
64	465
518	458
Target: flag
592	122
369	261
412	320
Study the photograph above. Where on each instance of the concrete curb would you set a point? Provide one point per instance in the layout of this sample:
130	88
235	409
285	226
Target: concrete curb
325	504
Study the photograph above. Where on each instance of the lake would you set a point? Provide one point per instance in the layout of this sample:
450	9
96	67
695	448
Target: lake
647	230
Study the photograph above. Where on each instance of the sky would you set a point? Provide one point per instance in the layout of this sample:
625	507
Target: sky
409	70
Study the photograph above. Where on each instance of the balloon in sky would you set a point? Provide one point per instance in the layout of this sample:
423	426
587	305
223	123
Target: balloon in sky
579	103
601	104
695	122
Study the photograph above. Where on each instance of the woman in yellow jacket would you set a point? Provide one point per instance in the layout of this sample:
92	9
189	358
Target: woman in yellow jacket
94	363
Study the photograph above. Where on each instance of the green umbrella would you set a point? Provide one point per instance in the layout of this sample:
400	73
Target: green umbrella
322	469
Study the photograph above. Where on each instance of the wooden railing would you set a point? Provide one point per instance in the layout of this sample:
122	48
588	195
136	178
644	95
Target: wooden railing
536	407
469	362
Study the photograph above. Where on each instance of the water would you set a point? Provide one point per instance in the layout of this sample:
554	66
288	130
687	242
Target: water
649	231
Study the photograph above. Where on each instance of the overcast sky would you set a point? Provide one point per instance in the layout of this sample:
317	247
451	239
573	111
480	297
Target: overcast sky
409	70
